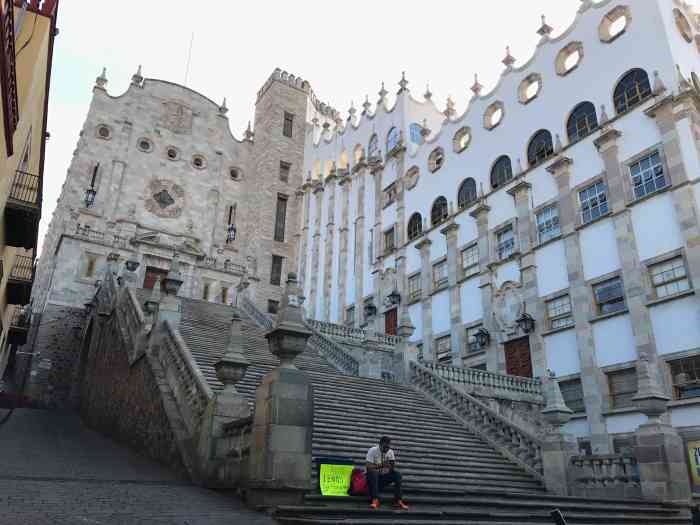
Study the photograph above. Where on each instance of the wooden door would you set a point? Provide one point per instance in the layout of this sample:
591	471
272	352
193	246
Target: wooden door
518	360
391	321
151	275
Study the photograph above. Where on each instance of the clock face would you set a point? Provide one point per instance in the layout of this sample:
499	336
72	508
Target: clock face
164	198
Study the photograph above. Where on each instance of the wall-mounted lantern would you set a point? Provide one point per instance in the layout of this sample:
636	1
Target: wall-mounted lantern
483	337
526	323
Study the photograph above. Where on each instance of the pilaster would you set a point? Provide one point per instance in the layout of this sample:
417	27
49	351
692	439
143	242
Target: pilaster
360	171
377	170
345	184
328	246
456	333
426	298
316	250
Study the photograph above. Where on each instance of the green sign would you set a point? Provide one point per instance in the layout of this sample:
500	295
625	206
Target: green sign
335	479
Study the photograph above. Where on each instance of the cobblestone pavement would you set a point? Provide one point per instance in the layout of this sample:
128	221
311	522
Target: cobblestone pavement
55	471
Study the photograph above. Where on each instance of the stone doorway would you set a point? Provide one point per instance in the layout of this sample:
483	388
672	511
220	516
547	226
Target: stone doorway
152	274
518	358
391	321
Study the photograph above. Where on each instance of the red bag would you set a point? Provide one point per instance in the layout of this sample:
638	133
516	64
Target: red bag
358	483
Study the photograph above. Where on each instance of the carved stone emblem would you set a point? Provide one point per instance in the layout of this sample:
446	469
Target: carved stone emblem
176	117
164	198
508	305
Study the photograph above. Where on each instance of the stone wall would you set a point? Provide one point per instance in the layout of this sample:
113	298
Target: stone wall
122	401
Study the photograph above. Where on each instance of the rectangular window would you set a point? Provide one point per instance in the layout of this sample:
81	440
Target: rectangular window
414	287
505	243
609	296
443	350
350	316
91	266
548	223
276	270
440	274
559	312
647	175
594	202
472	344
205	291
685	374
285	169
389	240
224	294
280	217
572	392
288	125
623	387
669	277
273	306
470	261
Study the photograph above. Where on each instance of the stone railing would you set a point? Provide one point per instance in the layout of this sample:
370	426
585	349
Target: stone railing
357	334
609	476
236	440
134	322
247	306
488	380
517	444
88	233
185	379
334	353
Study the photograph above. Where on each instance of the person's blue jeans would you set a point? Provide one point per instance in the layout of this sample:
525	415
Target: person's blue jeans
377	481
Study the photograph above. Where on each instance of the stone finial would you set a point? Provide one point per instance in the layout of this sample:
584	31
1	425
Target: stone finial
428	94
137	78
173	280
425	224
509	60
232	366
450	109
406	328
222	108
557	144
683	84
518	167
326	126
545	29
604	119
403	83
154	299
382	93
337	120
585	6
451	208
351	111
556	413
101	81
659	86
476	87
112	260
248	135
129	274
650	399
288	338
366	105
315	121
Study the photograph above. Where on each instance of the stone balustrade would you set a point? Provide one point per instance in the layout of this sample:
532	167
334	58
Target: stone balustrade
356	334
489	380
609	476
334	353
512	441
135	323
247	306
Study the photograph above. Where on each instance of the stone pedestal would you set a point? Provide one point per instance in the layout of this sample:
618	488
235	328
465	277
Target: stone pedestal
558	447
662	469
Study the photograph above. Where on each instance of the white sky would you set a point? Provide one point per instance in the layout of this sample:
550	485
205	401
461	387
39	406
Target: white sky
344	50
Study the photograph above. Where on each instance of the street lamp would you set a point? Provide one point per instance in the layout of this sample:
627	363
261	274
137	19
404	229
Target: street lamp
230	234
394	298
526	323
90	197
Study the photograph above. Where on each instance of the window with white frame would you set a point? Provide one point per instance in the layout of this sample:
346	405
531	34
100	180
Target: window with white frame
472	342
414	287
648	175
685	374
669	277
609	296
440	274
443	350
505	242
594	201
470	260
548	223
559	312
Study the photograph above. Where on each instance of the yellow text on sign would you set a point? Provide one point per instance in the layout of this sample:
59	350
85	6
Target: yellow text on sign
335	479
694	458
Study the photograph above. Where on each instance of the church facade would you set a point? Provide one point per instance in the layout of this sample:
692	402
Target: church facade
552	226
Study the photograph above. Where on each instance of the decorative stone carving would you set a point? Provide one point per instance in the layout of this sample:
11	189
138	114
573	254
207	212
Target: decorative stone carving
508	306
176	117
164	198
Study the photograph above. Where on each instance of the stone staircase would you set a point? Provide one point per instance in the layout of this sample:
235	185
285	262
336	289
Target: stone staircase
450	474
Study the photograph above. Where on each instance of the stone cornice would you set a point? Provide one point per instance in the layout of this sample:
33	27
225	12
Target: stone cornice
522	185
346	179
423	243
452	227
560	165
608	137
481	208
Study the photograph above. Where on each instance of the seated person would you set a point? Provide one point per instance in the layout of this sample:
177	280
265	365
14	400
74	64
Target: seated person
381	472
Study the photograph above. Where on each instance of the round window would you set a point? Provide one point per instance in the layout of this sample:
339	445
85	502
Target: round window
235	173
569	58
145	145
104	132
199	162
172	153
683	25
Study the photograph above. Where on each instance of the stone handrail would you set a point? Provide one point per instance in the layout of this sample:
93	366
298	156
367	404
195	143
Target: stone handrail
490	380
357	334
134	322
604	471
185	379
262	320
333	352
512	441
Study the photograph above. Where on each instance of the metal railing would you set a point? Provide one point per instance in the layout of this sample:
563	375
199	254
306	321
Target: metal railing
25	187
22	268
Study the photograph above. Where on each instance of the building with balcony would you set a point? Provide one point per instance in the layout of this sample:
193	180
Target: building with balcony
27	31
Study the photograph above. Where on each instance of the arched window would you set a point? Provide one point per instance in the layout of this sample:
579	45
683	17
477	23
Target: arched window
373	148
358	153
466	194
438	212
461	140
415	226
540	147
632	90
501	172
582	121
392	139
416	132
436	159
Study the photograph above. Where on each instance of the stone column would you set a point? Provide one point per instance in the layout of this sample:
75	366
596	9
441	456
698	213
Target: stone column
303	250
316	250
343	283
170	308
593	381
360	171
280	461
328	276
404	354
632	272
377	170
456	333
494	361
426	298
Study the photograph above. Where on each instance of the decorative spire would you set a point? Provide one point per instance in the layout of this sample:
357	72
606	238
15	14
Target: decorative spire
249	133
603	115
683	84
351	111
338	120
477	87
557	144
403	83
450	109
518	167
425	130
222	108
428	94
137	78
366	105
509	60
382	93
545	29
659	86
315	121
101	81
585	5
